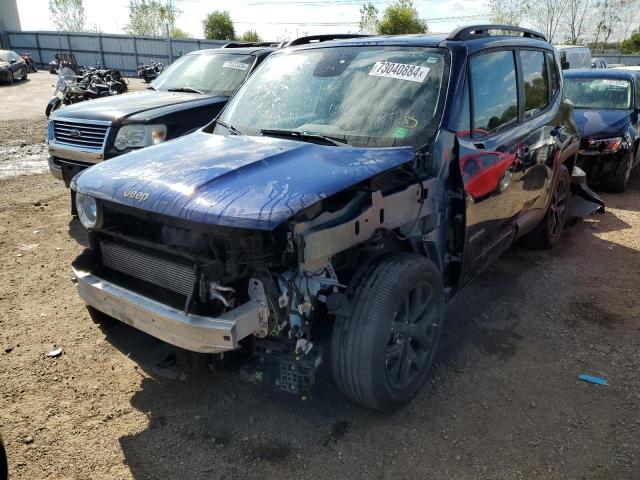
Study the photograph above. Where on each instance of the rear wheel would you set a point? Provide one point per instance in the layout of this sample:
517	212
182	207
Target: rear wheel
382	352
623	172
548	231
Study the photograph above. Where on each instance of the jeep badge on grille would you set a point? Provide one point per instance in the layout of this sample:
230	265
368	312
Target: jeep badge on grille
136	195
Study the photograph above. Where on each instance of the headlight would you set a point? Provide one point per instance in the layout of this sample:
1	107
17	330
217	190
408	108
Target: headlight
607	145
135	136
89	211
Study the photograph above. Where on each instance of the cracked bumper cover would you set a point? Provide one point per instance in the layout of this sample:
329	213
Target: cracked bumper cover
191	332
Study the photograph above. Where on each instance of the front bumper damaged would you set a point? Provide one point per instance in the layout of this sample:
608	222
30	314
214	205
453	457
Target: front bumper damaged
191	332
584	201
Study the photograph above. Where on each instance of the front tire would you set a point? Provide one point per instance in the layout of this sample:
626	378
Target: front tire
547	233
382	351
623	172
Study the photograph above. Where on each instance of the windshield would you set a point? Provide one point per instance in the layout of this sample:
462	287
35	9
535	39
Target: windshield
363	96
599	93
215	74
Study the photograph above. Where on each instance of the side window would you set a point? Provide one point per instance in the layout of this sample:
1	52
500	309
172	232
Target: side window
552	66
638	90
536	88
494	92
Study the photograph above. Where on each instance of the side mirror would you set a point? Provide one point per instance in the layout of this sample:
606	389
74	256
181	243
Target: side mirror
565	65
13	60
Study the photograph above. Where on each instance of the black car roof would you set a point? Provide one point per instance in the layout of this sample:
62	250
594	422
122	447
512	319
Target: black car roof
599	73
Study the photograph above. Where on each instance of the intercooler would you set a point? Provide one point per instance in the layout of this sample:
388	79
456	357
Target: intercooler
174	276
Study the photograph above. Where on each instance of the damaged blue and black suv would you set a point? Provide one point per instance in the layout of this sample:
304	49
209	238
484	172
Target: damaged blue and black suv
360	182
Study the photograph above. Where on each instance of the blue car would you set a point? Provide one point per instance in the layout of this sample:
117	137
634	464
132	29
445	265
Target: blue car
607	112
360	182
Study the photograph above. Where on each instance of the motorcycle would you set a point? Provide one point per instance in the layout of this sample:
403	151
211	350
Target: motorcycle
28	59
150	73
94	83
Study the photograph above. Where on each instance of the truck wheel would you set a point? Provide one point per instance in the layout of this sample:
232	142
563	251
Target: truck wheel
623	172
383	350
547	233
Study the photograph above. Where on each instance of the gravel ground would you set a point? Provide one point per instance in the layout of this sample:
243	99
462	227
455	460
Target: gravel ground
504	401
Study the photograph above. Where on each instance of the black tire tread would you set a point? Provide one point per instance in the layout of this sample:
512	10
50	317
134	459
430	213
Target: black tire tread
354	336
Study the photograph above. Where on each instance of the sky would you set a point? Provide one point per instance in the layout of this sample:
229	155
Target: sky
273	19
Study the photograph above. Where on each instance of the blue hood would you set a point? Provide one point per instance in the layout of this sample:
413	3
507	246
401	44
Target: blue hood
600	123
237	181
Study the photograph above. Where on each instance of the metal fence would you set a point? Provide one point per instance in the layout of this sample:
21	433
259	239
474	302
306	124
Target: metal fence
124	52
627	60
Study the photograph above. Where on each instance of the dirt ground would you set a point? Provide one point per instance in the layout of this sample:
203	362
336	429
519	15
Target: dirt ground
24	130
503	402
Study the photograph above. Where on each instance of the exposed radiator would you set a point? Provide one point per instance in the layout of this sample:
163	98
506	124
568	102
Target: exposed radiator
177	277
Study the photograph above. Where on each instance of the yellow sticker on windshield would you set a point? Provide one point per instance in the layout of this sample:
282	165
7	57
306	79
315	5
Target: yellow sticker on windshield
400	71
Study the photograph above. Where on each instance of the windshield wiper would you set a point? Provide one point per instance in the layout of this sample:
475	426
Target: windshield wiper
304	136
151	87
185	89
231	128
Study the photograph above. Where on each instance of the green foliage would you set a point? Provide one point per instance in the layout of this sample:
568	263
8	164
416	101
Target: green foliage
401	18
149	18
507	12
250	36
631	44
369	19
218	26
179	33
68	15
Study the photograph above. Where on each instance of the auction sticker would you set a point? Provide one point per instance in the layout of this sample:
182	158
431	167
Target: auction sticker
400	71
616	83
236	65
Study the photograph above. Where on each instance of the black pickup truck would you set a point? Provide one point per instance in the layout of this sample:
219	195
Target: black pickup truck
186	96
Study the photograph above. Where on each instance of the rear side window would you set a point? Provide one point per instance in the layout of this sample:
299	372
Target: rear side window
536	87
494	92
552	66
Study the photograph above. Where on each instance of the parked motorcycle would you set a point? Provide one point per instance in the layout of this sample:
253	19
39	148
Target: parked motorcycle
150	72
94	83
28	59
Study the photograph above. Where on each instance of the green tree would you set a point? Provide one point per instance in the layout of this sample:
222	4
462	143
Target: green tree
150	18
369	19
177	32
507	12
251	36
68	15
401	18
631	44
218	26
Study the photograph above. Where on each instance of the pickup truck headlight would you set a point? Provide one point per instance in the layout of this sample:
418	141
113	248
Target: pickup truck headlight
89	211
136	136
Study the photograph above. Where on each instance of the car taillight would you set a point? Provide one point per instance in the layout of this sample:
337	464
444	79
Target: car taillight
608	145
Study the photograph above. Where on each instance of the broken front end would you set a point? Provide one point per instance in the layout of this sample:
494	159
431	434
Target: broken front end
214	288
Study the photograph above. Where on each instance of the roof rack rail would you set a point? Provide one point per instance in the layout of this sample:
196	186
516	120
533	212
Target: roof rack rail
250	44
322	38
471	31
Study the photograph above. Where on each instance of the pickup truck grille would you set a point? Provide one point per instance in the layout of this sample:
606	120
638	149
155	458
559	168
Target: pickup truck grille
80	134
170	275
